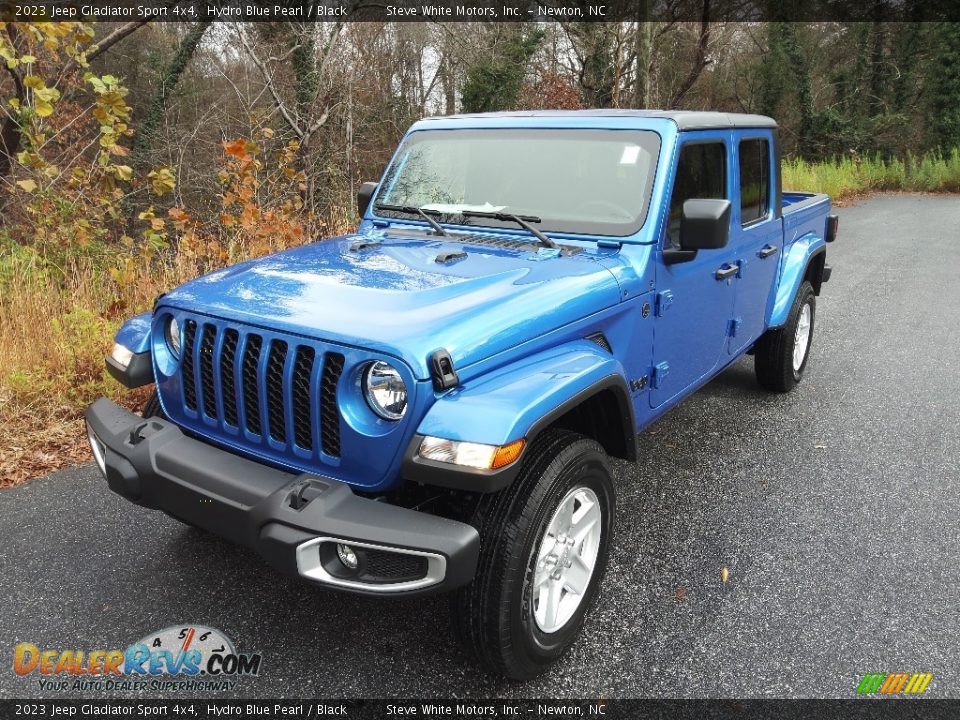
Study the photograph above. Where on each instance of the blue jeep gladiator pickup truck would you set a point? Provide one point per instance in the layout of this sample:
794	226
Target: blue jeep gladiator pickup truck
429	404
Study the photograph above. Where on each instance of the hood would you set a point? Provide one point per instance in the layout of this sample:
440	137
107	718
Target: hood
395	298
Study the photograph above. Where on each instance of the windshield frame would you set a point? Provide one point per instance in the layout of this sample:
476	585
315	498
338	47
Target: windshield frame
648	138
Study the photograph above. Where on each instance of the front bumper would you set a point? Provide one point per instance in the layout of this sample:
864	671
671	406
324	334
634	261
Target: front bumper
294	521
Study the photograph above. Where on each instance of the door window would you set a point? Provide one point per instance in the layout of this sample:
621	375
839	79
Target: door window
701	173
754	180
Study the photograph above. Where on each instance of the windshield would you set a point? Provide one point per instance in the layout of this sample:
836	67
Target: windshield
577	181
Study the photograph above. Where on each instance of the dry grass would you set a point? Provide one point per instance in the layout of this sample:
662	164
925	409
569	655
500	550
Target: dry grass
57	322
55	328
851	177
57	319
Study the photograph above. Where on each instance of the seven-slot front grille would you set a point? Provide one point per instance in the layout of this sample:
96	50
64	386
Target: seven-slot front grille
267	387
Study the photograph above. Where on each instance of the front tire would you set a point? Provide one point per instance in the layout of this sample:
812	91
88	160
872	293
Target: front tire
544	546
781	354
152	408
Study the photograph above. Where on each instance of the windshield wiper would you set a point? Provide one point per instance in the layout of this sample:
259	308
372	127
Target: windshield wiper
414	210
521	220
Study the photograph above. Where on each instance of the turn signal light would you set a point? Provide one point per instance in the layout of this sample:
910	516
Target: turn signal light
467	454
507	454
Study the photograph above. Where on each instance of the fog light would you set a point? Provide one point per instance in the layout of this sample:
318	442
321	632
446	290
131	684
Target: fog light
99	450
347	556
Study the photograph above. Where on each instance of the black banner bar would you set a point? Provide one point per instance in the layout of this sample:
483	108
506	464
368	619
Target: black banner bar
481	10
474	709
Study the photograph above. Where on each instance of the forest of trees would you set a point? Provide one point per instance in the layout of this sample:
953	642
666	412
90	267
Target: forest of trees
345	92
136	155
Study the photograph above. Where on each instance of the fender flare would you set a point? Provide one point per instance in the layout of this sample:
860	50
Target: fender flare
514	402
134	335
796	261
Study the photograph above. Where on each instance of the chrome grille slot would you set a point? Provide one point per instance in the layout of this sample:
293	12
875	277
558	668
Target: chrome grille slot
251	392
329	414
262	391
207	341
228	357
275	409
189	380
302	397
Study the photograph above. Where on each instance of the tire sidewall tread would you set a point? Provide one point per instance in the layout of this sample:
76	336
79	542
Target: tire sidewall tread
490	614
773	353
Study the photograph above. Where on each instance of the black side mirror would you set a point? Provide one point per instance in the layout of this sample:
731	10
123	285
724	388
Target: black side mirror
364	195
704	225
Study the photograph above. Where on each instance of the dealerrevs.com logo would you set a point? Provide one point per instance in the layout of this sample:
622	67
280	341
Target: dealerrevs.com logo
199	658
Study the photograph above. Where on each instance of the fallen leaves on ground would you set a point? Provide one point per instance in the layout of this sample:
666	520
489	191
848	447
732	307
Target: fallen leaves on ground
41	439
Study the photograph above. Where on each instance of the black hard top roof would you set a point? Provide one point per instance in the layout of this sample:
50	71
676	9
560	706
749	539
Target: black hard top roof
684	119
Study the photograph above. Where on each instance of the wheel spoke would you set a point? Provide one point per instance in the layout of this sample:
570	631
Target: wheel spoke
586	519
564	517
564	560
552	609
541	575
578	576
546	547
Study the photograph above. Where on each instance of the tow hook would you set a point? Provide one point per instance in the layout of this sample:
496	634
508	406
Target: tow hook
143	431
305	490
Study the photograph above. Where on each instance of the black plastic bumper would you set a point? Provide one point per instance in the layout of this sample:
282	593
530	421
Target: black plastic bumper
284	517
137	373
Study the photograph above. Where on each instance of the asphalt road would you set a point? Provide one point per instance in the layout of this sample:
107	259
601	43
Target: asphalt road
835	508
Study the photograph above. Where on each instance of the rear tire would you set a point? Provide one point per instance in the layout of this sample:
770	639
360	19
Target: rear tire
781	354
539	569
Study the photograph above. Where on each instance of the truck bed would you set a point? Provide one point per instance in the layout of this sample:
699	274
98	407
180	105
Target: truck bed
804	213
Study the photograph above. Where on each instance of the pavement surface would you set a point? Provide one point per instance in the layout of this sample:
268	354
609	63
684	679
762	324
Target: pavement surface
835	509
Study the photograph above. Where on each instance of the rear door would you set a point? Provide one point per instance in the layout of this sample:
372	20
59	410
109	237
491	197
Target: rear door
693	306
756	236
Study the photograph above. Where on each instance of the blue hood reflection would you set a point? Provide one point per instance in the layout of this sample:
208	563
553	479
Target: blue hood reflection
396	299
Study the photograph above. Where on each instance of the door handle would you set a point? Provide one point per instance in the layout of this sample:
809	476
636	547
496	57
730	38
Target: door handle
727	272
767	250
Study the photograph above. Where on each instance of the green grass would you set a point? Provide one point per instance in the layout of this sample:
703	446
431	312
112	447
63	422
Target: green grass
933	172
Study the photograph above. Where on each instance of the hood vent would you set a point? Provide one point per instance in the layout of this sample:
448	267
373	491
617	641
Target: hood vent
449	257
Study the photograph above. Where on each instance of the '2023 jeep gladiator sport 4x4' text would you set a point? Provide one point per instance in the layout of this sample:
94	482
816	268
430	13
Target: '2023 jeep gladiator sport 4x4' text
429	404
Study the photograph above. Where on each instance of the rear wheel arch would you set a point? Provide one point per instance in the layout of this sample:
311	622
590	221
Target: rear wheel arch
814	270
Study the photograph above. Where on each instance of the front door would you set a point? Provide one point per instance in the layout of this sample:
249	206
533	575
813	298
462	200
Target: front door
694	306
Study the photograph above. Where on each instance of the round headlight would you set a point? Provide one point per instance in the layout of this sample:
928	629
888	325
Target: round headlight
385	391
173	336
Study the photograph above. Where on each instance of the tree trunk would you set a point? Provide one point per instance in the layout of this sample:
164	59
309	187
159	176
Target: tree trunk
10	132
801	71
158	104
643	45
449	81
875	103
304	62
700	60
